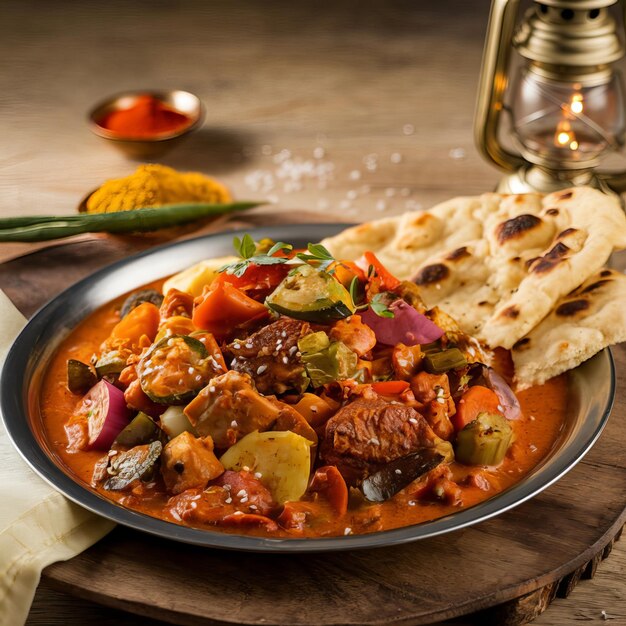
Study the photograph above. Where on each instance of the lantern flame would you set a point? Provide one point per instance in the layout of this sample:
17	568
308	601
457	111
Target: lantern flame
565	136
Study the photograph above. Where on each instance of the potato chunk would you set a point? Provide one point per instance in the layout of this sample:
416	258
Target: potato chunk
280	459
188	462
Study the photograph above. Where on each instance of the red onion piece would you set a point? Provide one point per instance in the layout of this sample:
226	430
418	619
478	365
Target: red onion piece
408	326
508	400
108	414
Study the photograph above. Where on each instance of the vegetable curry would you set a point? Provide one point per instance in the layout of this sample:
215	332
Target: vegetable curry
295	395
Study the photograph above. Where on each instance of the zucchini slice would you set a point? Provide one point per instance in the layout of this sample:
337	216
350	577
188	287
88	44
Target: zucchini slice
311	295
175	369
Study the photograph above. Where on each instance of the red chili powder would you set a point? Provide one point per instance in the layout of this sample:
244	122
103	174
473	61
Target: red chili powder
146	118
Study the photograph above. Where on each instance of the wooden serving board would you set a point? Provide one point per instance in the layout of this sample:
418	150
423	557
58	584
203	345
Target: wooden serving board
503	572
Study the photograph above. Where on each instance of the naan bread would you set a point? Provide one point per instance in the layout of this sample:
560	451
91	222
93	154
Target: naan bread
496	263
582	323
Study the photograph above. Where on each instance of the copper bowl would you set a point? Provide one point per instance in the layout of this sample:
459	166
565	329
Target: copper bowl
154	147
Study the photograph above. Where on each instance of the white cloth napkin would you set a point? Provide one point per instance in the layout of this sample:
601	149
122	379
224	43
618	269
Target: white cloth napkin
38	526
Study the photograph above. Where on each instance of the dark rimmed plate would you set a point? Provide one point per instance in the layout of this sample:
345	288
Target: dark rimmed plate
592	390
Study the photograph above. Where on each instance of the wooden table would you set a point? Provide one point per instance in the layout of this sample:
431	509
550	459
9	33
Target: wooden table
379	95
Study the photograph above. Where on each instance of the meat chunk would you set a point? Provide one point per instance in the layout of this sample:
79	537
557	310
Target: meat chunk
232	494
229	407
270	356
432	392
438	485
359	337
368	433
248	493
188	462
176	302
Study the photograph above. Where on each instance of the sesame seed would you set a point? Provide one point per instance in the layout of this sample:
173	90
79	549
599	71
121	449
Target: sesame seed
228	487
258	474
313	409
194	505
532	448
234	424
374	441
253	506
412	503
347	531
249	345
285	360
283	334
261	369
531	418
212	388
412	420
245	468
441	400
293	350
244	500
175	515
236	346
191	370
242	493
198	378
398	471
500	408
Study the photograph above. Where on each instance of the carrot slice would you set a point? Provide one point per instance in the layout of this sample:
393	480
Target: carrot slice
224	307
142	320
390	387
475	400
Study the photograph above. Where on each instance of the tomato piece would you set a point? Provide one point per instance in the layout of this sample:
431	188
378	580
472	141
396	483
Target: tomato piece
390	387
142	320
259	280
388	281
329	482
224	307
475	400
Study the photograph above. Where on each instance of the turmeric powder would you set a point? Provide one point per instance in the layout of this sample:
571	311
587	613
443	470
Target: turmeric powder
153	186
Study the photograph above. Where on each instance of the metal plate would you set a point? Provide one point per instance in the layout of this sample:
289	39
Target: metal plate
592	389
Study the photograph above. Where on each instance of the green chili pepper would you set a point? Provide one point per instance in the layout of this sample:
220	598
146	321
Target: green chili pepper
440	362
44	228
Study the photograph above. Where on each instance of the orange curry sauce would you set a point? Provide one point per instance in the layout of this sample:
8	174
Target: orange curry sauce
536	432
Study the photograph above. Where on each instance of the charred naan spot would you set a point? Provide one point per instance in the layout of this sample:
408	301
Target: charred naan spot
457	254
524	341
552	211
567	309
557	252
594	286
432	274
482	303
516	226
516	259
510	311
566	232
543	265
531	261
605	273
566	195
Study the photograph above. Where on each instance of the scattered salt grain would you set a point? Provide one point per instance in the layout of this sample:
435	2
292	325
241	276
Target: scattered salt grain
395	157
457	154
381	205
408	129
261	369
319	152
355	175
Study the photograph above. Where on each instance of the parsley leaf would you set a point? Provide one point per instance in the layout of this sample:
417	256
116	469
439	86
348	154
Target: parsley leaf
279	246
245	247
380	307
321	258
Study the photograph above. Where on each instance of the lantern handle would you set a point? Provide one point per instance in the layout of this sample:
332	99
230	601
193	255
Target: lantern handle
492	85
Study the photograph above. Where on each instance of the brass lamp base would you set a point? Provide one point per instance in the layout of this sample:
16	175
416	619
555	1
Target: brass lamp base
532	178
